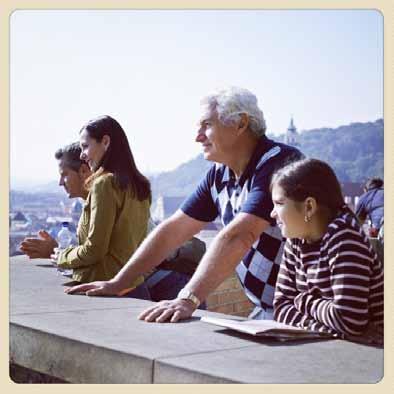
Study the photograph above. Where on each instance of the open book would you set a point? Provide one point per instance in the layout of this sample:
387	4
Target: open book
266	328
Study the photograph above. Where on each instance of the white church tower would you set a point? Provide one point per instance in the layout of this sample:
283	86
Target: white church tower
291	137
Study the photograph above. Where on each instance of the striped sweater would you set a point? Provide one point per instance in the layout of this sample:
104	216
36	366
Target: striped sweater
333	285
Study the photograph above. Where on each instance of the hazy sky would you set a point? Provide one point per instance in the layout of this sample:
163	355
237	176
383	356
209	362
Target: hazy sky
149	70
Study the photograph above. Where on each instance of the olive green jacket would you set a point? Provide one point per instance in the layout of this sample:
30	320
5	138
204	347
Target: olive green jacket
111	227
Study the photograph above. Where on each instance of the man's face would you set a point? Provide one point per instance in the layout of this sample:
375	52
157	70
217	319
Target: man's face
218	140
71	181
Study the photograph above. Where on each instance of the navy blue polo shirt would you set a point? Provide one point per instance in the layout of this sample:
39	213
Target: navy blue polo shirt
220	194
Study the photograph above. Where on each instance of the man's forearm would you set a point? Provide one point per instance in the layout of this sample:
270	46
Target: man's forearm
223	255
155	248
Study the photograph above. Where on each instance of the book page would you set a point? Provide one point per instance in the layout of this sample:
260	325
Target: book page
262	327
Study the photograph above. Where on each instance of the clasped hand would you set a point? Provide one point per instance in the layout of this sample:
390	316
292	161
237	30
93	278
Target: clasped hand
40	247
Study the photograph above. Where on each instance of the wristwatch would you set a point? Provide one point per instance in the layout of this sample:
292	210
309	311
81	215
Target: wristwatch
186	294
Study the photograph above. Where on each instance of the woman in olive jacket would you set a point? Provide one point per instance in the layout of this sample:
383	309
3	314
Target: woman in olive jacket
115	216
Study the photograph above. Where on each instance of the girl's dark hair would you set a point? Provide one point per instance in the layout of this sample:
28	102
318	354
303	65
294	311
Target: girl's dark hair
118	158
310	178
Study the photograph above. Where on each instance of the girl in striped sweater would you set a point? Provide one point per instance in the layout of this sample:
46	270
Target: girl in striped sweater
330	278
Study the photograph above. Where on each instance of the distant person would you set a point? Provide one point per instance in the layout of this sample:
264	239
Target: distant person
232	134
371	205
73	173
330	279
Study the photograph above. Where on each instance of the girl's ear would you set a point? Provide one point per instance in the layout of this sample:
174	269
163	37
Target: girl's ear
106	141
310	206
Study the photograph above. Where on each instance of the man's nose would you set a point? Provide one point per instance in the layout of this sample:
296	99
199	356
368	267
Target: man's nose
82	156
200	136
273	214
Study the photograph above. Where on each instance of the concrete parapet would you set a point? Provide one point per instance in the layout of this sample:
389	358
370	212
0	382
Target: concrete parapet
83	339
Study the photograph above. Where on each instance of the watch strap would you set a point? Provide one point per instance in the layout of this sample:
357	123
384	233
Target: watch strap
186	294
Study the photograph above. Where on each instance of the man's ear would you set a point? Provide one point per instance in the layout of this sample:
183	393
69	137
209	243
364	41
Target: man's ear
243	123
84	171
106	141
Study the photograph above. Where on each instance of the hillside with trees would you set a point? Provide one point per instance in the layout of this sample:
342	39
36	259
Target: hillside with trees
354	151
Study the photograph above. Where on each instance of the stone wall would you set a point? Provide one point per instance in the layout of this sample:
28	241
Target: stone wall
229	298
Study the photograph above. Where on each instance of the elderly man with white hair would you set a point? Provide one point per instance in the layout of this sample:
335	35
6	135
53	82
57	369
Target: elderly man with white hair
232	134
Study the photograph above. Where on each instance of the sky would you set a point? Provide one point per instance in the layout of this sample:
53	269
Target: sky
150	69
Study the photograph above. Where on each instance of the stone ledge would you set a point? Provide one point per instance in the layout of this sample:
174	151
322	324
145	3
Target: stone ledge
20	374
99	340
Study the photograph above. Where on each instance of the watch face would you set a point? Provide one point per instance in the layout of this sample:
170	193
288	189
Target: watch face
186	294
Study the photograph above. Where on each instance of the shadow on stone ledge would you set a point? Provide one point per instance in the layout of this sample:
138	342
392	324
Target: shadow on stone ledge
20	374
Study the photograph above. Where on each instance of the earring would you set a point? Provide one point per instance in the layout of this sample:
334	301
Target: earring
307	218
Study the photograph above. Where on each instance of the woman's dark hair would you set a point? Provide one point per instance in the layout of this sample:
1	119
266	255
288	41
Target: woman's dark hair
373	183
118	158
310	178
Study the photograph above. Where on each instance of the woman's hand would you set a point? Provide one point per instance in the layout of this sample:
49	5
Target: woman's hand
99	288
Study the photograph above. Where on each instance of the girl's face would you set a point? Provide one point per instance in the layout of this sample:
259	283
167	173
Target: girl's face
92	151
289	214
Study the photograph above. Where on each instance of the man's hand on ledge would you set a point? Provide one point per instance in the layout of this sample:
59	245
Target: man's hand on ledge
41	247
171	311
99	288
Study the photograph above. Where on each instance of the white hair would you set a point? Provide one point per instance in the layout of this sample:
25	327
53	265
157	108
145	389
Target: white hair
231	102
